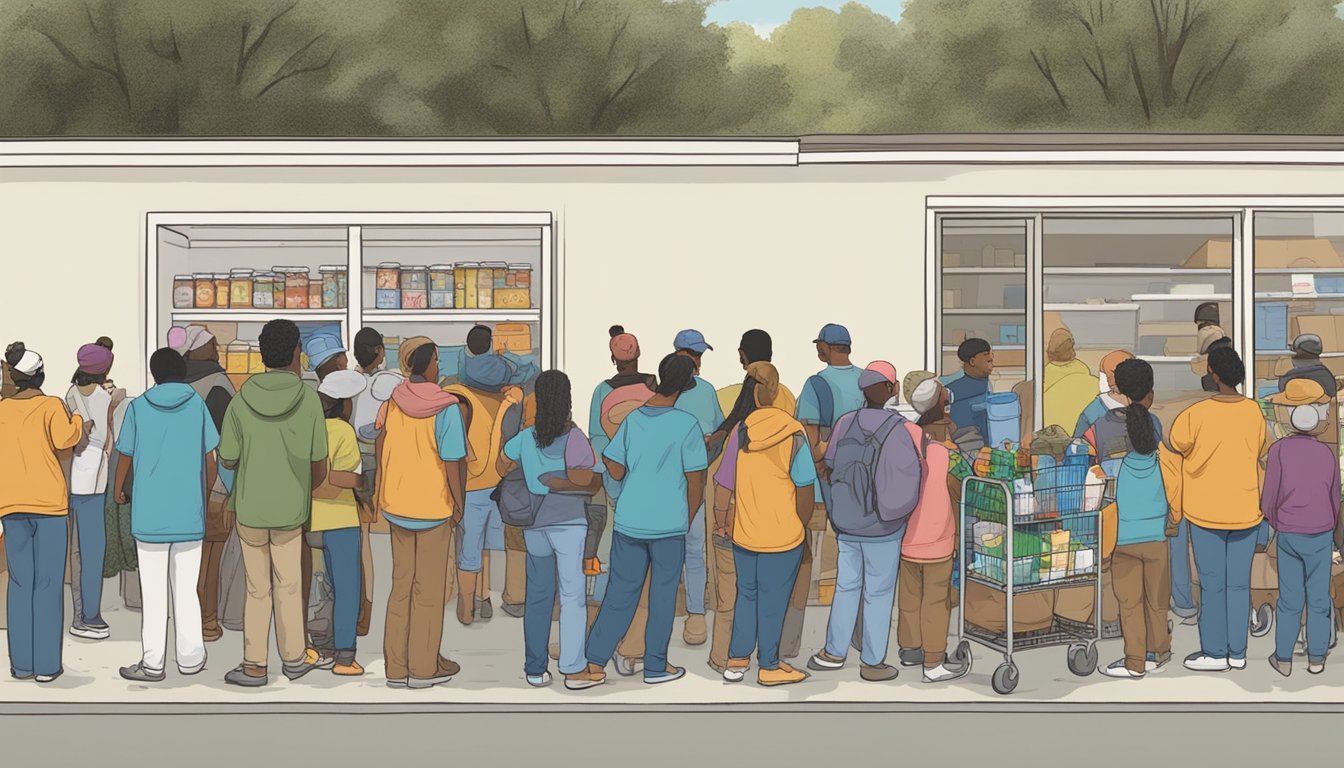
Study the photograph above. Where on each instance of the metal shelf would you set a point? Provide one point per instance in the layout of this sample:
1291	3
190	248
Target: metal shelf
1288	352
1002	312
1181	297
258	315
1136	271
1022	271
1300	296
1160	359
453	315
1302	271
1091	307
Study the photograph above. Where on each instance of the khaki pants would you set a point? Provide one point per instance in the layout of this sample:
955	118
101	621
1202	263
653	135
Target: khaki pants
272	564
725	599
414	629
924	606
515	567
1141	575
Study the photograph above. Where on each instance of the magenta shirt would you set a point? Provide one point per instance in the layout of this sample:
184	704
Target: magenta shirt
1301	492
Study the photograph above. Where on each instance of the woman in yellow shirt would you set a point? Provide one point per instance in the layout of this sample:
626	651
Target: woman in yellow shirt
34	504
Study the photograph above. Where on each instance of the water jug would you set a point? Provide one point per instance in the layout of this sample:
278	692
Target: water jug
1004	414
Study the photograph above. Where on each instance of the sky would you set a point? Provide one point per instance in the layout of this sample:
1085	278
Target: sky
765	15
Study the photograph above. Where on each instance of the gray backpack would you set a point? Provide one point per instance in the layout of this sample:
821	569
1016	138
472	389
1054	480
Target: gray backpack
857	477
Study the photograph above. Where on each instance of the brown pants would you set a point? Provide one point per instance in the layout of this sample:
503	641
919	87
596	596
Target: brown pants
924	607
207	585
515	567
414	629
1141	576
725	600
366	561
272	564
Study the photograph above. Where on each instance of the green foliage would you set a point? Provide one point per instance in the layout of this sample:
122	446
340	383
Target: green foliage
654	67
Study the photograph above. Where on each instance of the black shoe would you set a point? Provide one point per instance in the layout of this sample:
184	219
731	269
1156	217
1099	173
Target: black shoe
484	611
512	609
139	673
912	657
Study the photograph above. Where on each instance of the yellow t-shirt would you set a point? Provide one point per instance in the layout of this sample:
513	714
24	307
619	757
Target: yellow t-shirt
342	456
1221	442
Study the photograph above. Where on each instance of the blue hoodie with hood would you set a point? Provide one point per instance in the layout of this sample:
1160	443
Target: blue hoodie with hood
1141	500
167	433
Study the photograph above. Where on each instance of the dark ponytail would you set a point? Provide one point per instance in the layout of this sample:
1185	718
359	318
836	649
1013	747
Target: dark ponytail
742	408
554	404
1134	380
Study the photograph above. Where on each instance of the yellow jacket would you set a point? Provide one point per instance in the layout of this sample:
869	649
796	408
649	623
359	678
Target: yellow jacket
1066	389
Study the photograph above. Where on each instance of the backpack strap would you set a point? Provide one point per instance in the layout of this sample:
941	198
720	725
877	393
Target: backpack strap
825	400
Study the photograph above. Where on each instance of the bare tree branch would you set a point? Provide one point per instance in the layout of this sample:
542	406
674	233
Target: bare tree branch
296	73
611	49
246	52
1138	84
635	74
117	72
172	52
1043	64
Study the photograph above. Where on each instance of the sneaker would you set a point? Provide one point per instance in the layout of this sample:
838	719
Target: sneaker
1236	663
514	610
49	678
736	671
822	661
880	673
319	659
695	632
194	669
627	666
1198	662
139	673
484	610
95	630
1117	669
444	674
911	657
1316	666
1190	621
398	682
588	678
1284	668
1151	663
239	676
941	674
539	681
781	675
672	673
297	669
350	669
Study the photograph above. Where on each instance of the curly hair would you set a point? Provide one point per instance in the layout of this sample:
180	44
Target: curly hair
554	405
279	339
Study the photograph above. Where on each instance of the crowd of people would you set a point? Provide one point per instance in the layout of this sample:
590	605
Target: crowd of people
497	462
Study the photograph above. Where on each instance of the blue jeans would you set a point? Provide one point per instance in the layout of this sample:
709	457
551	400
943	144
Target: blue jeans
1182	591
696	574
1224	562
1304	580
91	528
865	574
481	530
35	549
631	560
341	556
555	556
764	583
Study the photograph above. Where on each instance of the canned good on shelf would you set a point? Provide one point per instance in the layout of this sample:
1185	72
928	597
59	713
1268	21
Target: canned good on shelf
442	287
331	286
315	294
485	286
387	276
240	289
464	284
184	292
387	298
296	287
205	290
263	290
222	281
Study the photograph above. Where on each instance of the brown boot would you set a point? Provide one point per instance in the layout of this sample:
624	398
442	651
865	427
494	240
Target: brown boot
365	617
466	597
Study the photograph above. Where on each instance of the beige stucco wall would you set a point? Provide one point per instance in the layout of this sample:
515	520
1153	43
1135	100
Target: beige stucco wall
655	249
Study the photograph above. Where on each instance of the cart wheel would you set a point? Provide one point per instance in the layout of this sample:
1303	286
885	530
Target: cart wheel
1262	619
1004	680
961	656
1082	659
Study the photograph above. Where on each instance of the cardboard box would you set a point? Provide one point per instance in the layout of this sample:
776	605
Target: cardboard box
951	299
1010	358
986	608
1325	326
1019	259
1295	253
951	259
1179	346
1166	328
1003	257
1213	254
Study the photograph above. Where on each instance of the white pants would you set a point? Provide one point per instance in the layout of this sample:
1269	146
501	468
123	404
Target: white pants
177	565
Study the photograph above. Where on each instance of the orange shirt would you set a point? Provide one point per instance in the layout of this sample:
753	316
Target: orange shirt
33	432
412	475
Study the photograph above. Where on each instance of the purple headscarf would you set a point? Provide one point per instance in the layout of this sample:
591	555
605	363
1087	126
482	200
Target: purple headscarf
94	359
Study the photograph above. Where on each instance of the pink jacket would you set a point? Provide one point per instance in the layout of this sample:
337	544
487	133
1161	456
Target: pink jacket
931	532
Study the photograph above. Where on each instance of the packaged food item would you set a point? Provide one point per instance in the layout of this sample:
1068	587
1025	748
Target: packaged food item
240	289
343	290
485	287
1094	489
522	280
511	298
414	287
464	285
278	288
387	298
221	290
387	276
184	292
296	287
1059	554
331	286
236	357
315	293
499	273
513	337
441	286
263	290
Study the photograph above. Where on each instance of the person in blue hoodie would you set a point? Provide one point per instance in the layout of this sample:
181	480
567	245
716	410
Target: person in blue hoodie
1140	565
168	439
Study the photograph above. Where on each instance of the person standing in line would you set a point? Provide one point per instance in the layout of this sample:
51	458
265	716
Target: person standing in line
91	396
870	553
275	439
1301	502
756	346
702	402
933	404
335	522
1222	441
1109	398
34	505
1067	383
370	356
970	387
168	440
422	476
658	456
493	416
326	355
200	351
1140	565
557	463
768	468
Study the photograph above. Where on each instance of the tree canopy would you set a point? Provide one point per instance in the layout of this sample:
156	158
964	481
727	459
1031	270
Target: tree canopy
655	67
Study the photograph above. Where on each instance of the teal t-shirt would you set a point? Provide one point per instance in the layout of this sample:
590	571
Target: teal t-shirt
167	432
702	402
451	438
845	394
657	445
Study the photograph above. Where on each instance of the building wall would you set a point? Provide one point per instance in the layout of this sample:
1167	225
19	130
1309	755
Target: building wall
655	249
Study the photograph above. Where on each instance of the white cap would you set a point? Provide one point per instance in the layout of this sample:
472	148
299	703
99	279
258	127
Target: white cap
925	396
383	383
342	385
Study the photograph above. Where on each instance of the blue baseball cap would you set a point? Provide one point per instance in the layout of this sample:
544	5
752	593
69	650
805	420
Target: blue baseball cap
692	340
320	348
834	334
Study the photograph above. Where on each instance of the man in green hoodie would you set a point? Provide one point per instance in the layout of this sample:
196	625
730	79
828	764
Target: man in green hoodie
274	434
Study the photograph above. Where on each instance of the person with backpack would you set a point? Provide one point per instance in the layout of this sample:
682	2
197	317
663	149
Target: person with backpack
702	402
557	463
658	456
1140	564
875	462
1301	502
767	467
168	440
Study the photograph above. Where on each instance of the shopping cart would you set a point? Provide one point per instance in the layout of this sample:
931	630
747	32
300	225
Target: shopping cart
1017	545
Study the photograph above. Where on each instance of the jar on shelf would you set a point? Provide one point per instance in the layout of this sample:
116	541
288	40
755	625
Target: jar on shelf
331	286
343	287
296	287
236	357
387	285
464	284
315	293
222	280
522	280
485	286
184	292
441	286
240	289
205	290
278	288
500	272
263	290
414	287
